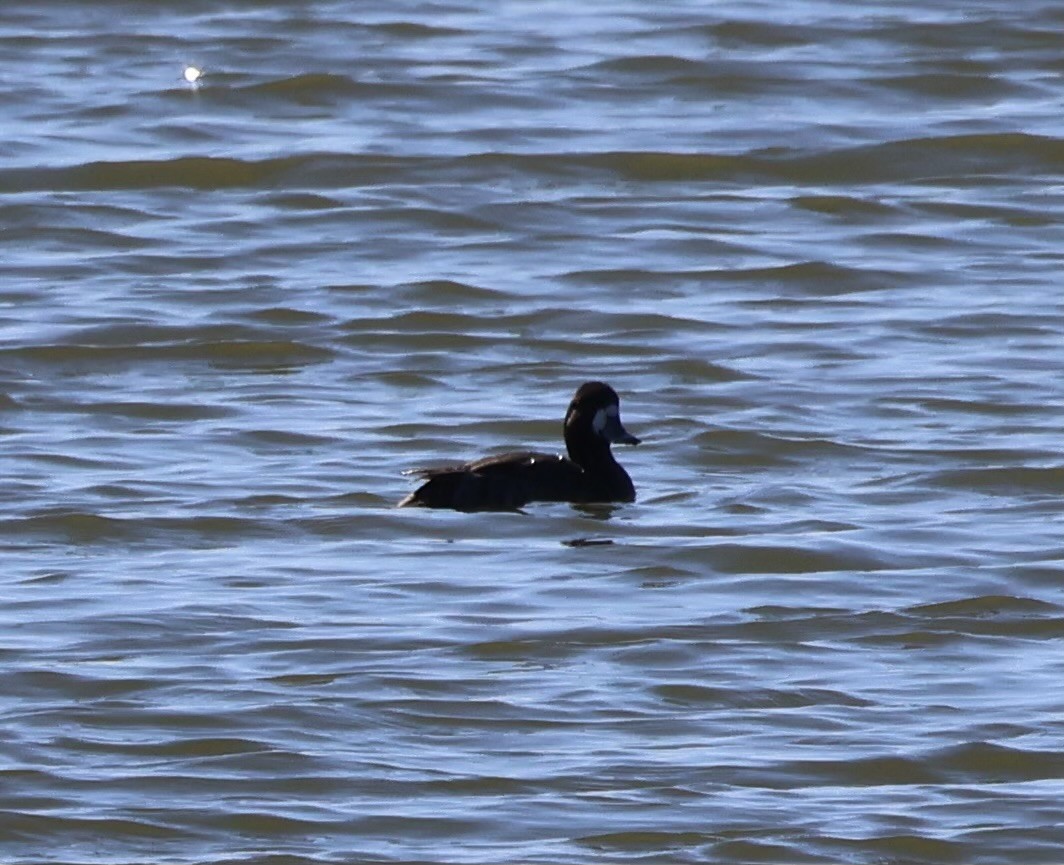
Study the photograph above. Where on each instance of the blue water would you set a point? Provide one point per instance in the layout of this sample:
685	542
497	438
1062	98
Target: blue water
816	250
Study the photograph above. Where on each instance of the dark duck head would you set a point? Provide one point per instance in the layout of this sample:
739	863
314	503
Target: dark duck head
593	423
509	481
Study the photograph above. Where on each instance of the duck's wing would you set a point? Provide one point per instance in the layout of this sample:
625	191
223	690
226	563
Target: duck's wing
508	462
519	461
503	482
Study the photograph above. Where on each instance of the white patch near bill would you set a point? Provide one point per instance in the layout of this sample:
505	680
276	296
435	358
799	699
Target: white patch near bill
598	422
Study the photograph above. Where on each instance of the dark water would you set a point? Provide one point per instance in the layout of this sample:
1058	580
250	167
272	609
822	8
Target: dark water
815	246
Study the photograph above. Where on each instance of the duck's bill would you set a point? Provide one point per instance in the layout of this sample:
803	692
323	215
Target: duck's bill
616	433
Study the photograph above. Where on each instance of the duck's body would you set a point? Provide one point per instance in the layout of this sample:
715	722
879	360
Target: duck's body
509	481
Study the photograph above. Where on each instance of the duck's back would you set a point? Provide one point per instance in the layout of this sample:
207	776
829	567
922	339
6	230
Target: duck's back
504	482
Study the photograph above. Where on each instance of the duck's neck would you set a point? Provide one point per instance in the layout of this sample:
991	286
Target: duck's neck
590	458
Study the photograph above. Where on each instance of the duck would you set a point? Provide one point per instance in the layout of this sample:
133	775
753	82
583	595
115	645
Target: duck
586	474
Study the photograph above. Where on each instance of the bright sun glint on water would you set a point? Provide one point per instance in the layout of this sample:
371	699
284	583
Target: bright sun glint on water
192	74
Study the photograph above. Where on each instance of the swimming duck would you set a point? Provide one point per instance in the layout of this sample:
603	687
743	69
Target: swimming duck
509	481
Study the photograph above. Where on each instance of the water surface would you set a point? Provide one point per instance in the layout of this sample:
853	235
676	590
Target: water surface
815	247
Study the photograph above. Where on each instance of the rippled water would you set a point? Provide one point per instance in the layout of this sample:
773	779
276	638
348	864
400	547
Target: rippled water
816	247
